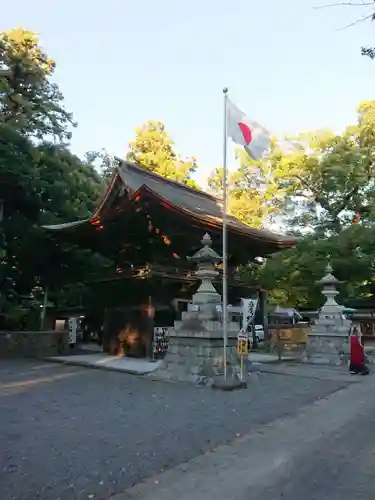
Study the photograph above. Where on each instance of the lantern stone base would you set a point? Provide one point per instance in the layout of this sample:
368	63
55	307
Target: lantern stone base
195	353
196	345
330	350
329	338
328	341
228	384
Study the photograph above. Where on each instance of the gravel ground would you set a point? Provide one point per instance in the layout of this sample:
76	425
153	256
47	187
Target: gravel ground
71	433
338	466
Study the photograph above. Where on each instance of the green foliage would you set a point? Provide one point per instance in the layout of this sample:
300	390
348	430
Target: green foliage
153	149
18	174
44	183
328	182
69	186
368	51
40	182
291	275
16	317
315	185
253	195
29	101
62	188
103	162
327	178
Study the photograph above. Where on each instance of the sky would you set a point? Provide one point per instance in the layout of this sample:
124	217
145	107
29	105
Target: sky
287	65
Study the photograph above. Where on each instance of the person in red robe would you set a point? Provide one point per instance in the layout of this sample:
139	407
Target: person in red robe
357	354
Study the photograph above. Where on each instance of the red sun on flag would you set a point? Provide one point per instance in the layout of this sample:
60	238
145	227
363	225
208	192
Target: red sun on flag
246	132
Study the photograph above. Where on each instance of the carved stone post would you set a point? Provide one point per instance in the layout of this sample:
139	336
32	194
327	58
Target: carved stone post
206	258
195	351
329	338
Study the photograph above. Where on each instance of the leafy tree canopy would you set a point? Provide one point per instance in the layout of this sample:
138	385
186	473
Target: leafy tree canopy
153	148
29	101
328	189
251	191
327	178
40	182
318	185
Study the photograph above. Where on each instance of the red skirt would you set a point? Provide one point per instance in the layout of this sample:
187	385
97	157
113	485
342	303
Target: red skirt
357	353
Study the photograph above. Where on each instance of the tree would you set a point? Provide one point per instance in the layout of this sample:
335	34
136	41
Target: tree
70	188
40	182
29	101
291	275
368	13
368	51
252	192
329	179
19	199
329	187
103	162
48	185
153	149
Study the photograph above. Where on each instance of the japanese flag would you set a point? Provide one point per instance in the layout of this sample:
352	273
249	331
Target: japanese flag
247	133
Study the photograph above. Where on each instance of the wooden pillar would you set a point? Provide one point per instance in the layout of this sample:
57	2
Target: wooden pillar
263	306
152	323
149	315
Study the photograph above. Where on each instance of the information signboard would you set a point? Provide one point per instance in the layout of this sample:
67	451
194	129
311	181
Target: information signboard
243	344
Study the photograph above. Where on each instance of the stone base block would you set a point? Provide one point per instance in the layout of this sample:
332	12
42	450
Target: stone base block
327	349
228	384
199	360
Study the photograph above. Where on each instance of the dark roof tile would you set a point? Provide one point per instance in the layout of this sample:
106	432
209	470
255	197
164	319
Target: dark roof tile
193	202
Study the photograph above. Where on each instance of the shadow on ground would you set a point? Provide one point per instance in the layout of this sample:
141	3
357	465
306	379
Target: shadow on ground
70	433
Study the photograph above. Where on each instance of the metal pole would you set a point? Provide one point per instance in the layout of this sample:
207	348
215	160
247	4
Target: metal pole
225	236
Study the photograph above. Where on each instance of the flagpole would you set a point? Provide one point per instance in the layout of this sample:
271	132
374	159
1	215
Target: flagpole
225	235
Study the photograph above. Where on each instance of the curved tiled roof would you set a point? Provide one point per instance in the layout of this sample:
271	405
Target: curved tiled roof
192	201
186	200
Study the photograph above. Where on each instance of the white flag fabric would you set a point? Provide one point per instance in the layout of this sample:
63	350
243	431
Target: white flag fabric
247	133
248	312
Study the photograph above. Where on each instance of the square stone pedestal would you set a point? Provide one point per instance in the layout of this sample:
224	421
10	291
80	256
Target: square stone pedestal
329	342
196	343
196	351
329	337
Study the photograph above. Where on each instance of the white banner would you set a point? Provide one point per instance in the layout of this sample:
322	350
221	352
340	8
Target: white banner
72	326
248	312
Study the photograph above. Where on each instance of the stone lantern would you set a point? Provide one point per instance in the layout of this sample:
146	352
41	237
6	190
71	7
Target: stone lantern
329	338
329	284
195	352
206	258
